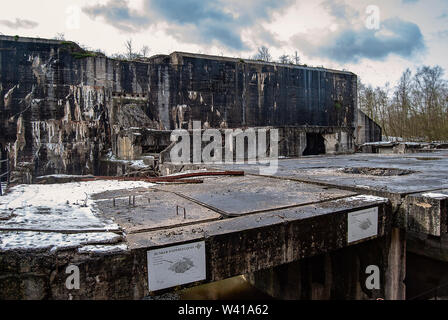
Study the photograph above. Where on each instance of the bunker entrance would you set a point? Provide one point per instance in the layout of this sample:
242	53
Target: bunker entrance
381	172
315	144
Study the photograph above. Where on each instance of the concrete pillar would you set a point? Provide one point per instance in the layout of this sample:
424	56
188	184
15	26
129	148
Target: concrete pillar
340	274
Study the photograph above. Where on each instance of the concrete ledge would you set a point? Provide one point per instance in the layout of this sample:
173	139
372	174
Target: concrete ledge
233	247
427	212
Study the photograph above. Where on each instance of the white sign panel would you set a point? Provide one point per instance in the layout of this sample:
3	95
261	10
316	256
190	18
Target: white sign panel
362	224
177	265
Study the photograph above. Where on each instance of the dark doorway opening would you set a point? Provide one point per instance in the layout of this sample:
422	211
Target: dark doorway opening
315	144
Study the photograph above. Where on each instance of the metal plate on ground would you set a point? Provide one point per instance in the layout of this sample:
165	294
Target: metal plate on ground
250	194
362	224
175	266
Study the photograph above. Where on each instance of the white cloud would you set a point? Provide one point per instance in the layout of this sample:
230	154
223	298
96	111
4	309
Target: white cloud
237	30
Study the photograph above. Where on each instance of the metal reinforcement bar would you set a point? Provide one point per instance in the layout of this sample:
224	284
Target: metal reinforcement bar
153	180
181	178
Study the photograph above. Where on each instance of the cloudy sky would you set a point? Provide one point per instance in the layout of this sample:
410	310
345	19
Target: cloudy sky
377	40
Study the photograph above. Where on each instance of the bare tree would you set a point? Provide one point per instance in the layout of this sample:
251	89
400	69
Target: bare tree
144	51
59	36
118	56
284	59
263	54
296	58
429	99
129	49
416	110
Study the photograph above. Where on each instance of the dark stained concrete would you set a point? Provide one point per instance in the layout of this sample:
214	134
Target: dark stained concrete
340	274
429	174
403	175
419	199
307	221
259	241
62	109
234	196
151	210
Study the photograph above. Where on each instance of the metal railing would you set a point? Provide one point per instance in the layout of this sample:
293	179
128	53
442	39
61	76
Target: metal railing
4	176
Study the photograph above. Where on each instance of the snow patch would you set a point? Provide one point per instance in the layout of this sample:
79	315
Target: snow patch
133	163
60	207
366	198
187	172
65	176
434	195
103	248
29	240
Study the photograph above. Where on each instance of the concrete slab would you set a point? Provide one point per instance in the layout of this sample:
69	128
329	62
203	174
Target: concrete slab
253	242
234	196
288	221
430	172
428	212
153	209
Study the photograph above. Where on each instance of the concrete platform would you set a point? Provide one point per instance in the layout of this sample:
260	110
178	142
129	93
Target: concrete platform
393	176
236	225
428	172
234	196
416	184
151	209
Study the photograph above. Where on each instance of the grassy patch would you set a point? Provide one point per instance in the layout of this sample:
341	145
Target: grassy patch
82	55
337	105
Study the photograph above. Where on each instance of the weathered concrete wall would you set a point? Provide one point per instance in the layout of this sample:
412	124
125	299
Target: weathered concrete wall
340	274
228	92
367	130
293	142
61	108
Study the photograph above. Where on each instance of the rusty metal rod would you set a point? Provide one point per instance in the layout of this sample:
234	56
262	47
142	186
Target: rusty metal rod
177	179
207	174
151	180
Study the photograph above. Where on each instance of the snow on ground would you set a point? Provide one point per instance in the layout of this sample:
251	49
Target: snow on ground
434	195
64	206
3	186
132	163
48	240
57	207
65	176
103	248
187	172
366	198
